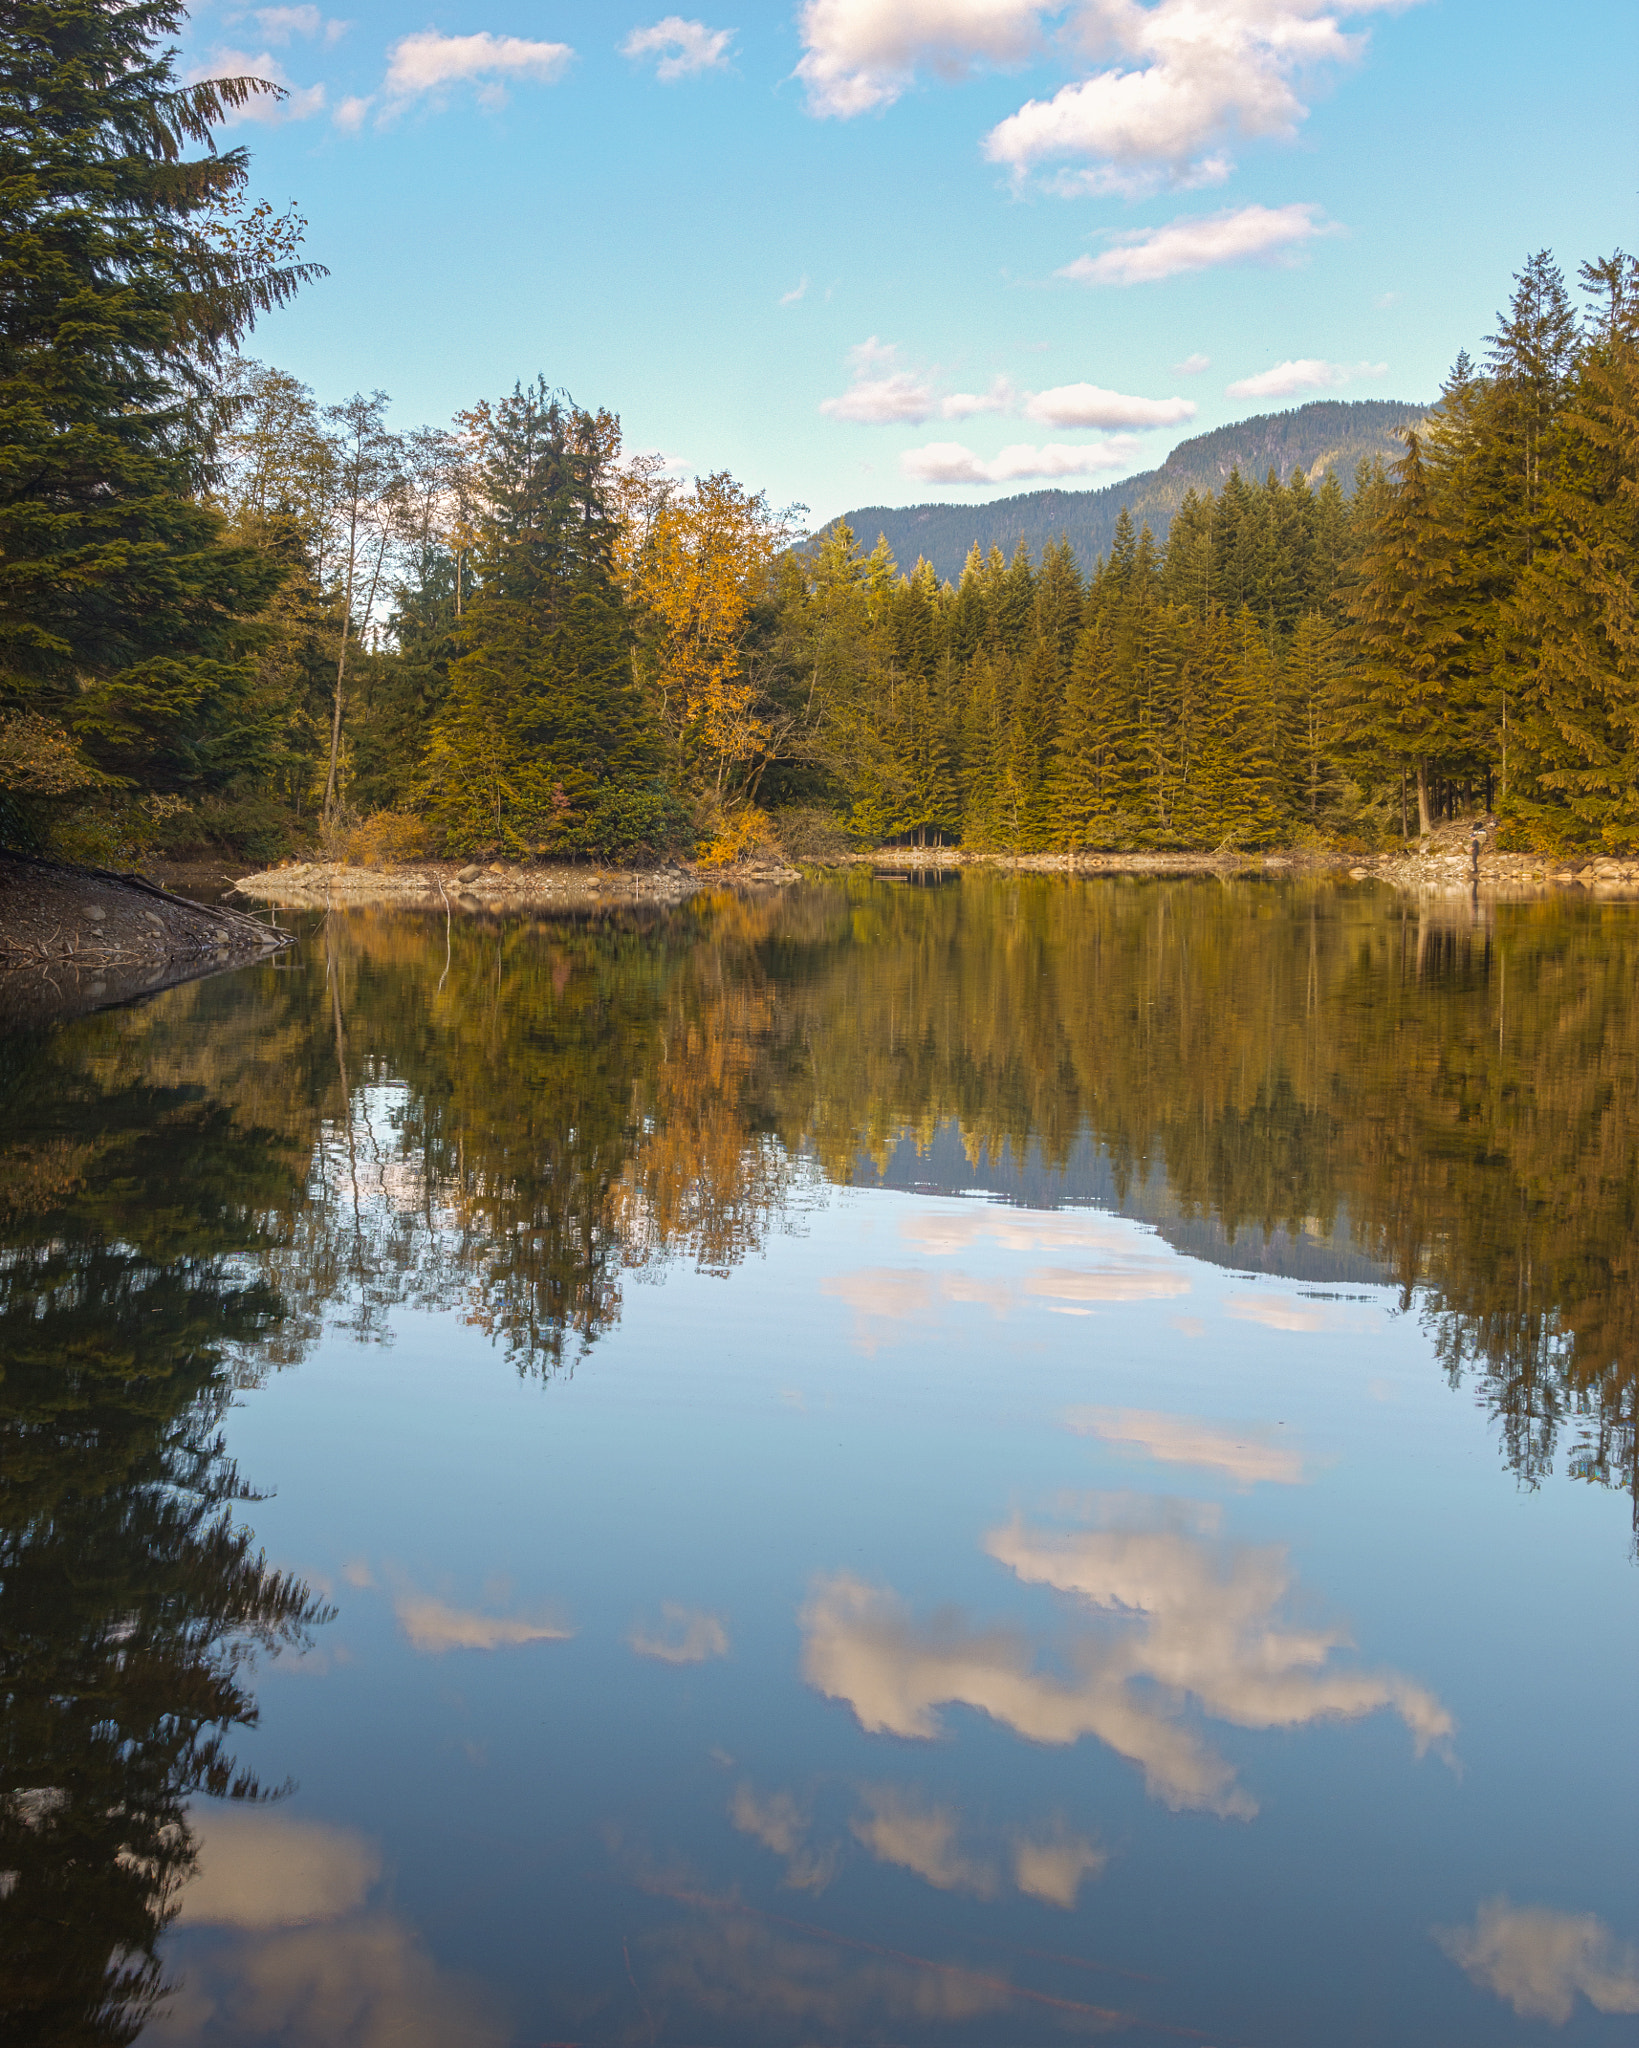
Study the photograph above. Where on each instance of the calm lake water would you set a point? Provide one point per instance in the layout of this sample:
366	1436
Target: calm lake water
980	1464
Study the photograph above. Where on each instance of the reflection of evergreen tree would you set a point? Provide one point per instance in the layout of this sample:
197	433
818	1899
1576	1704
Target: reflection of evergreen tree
129	1597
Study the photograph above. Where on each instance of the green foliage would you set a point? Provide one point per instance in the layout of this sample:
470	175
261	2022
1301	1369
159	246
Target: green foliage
124	613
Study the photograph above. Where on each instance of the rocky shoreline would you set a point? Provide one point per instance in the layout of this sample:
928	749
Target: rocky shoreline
476	886
75	938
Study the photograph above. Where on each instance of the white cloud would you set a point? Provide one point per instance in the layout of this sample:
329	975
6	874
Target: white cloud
1192	366
260	1869
1181	82
350	112
280	24
797	291
689	1636
1539	1960
299	103
1249	234
1169	1618
684	48
899	1828
948	462
1086	405
967	405
434	1626
1053	1870
1306	373
426	62
859	55
1248	1456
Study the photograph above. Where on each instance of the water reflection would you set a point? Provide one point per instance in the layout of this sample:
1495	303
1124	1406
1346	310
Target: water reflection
555	1113
1180	1619
135	1286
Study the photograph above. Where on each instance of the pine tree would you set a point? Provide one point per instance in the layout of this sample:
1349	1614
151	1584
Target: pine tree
123	612
1095	781
1577	779
544	743
1410	639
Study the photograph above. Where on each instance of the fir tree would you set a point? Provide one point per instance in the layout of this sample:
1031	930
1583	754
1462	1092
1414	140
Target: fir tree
122	610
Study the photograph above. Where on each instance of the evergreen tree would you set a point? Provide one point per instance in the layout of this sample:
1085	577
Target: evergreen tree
544	743
123	612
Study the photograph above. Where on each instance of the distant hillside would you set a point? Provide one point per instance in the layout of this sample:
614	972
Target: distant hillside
1333	433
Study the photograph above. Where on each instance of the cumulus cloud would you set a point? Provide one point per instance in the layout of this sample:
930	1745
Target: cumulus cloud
1177	84
859	56
1053	1870
299	103
1192	366
898	1828
433	1626
882	393
949	462
1087	405
1540	1960
1167	88
1307	373
1248	234
782	1826
428	62
682	49
1168	1619
886	393
1250	1457
260	1869
687	1636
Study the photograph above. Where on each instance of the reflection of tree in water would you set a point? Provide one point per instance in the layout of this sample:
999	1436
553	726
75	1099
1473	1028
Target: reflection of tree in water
135	1217
563	1104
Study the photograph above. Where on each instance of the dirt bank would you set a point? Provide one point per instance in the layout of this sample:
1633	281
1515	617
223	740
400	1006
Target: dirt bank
74	938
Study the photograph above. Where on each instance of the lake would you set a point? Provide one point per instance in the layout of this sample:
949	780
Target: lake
980	1463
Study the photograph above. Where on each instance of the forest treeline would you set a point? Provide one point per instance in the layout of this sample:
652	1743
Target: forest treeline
229	615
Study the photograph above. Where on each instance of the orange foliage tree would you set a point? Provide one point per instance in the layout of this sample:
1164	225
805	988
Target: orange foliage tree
694	563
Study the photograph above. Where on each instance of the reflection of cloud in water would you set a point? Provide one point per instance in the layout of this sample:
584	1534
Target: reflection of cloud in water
1249	1456
755	1978
260	1869
363	1983
1053	1869
1132	1280
898	1828
434	1626
880	1294
1180	1619
303	1962
955	1226
781	1825
688	1636
1274	1313
1539	1960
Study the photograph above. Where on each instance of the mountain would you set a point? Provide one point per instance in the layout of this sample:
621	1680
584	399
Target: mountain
1333	433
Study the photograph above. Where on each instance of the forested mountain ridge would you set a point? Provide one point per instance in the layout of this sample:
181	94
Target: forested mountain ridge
1332	433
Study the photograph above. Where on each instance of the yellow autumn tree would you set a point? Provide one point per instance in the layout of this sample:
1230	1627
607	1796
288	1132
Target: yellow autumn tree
694	562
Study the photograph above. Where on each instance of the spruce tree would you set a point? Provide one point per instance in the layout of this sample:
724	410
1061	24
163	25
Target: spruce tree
544	743
123	613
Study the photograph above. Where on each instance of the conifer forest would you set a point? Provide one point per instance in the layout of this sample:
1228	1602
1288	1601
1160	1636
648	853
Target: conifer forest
233	617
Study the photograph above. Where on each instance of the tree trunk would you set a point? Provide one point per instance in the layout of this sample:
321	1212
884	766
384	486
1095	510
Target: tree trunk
1423	821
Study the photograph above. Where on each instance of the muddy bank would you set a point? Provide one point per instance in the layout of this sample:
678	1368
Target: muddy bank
75	939
493	886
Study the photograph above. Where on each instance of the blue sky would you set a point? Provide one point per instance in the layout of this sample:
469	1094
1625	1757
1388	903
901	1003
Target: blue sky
863	251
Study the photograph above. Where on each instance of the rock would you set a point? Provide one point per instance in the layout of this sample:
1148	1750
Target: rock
496	868
469	874
95	912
